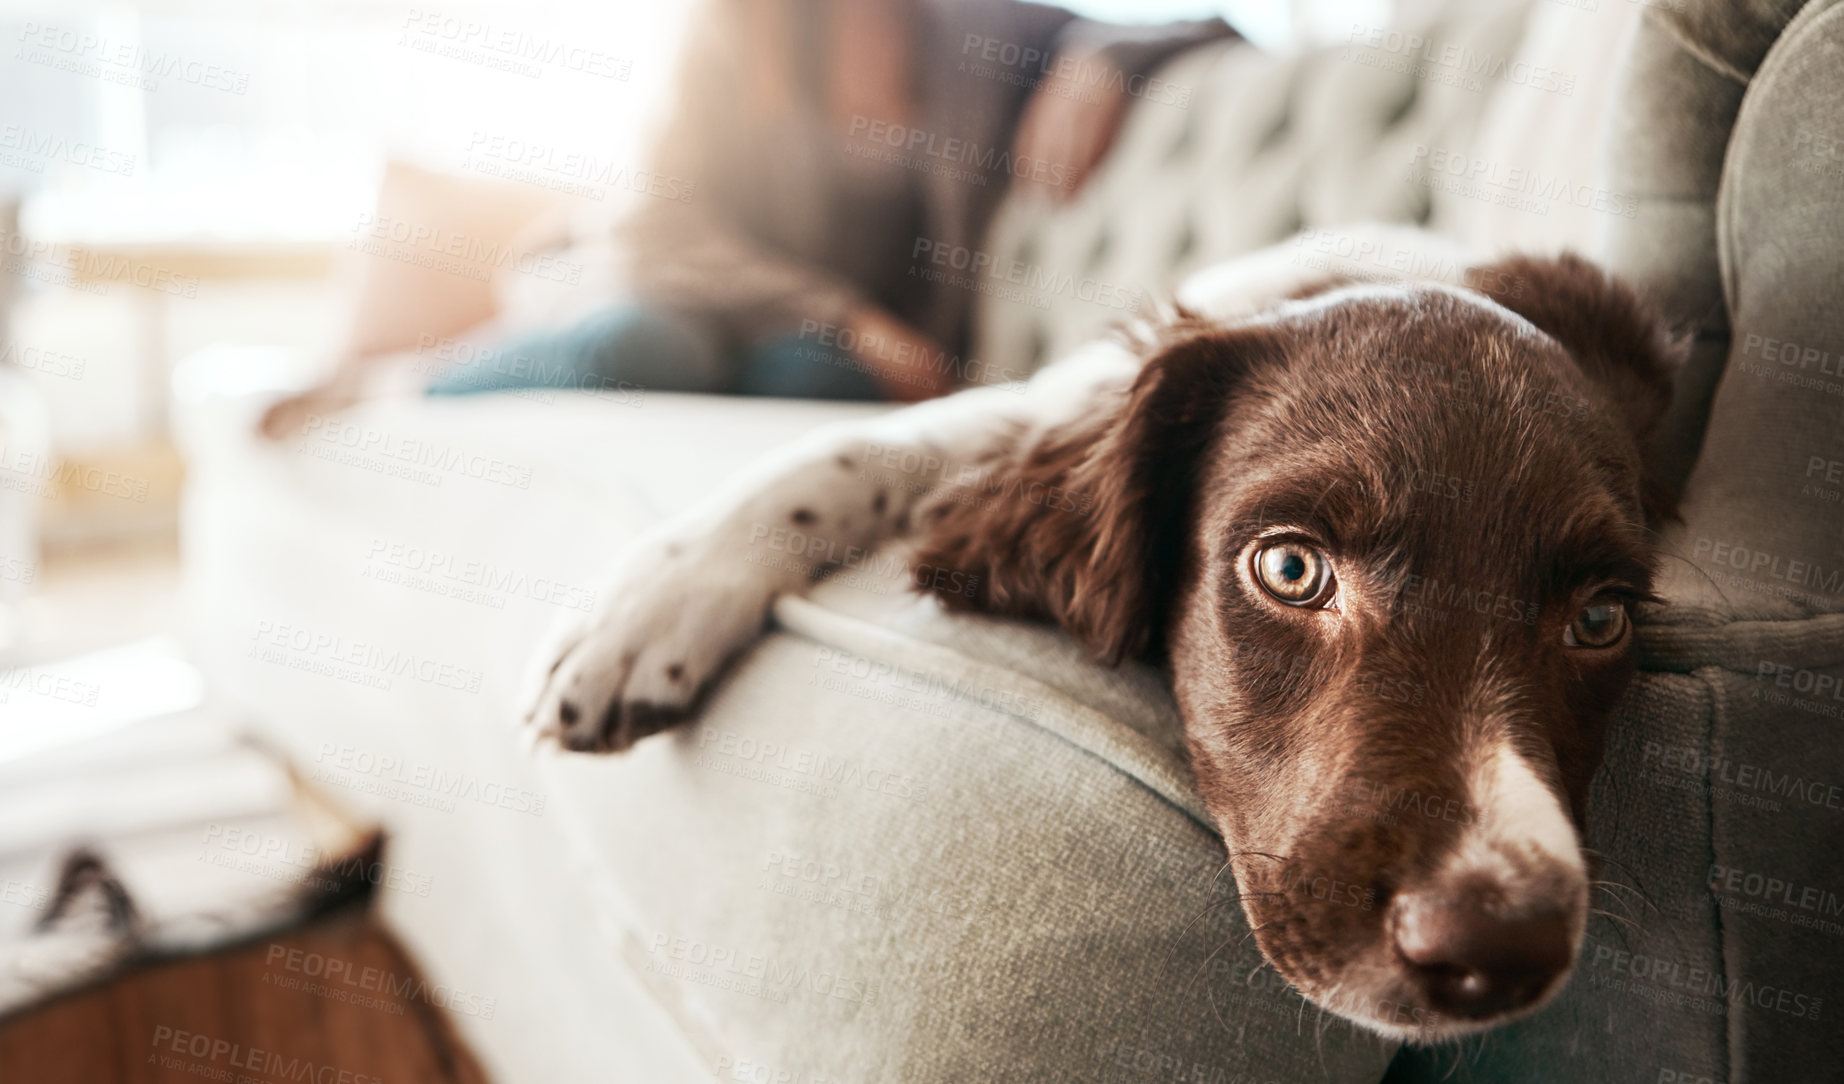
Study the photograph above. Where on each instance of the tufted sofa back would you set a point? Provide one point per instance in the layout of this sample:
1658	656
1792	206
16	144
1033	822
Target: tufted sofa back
1469	118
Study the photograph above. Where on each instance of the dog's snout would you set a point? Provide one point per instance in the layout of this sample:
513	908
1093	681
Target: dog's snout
1475	961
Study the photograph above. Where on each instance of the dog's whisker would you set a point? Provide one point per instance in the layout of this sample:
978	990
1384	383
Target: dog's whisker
1214	904
1195	919
1259	854
1612	884
1285	862
1227	862
1458	1057
1698	569
1299	1018
1675	931
1205	965
1323	1023
1250	933
1615	898
1625	944
1211	997
1636	886
1610	916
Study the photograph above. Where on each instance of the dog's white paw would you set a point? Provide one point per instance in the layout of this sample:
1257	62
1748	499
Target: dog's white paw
667	620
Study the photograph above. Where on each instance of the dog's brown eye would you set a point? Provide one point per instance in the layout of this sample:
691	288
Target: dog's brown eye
1600	624
1295	574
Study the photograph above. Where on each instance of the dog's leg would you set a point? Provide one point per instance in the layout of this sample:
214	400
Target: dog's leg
684	599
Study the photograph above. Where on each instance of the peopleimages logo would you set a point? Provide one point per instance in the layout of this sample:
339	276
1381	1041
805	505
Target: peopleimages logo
360	769
1759	563
1423	594
1740	882
171	1045
1425	57
511	49
1012	279
1503	184
38	148
981	161
342	980
125	61
467	579
412	458
1701	988
1816	683
360	662
1689	767
40	360
571	172
1062	73
32	681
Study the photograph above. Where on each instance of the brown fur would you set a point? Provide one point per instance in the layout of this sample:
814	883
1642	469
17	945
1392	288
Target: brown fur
1097	569
1300	727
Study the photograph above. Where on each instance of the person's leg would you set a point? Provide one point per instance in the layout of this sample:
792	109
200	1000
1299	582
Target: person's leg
795	368
626	346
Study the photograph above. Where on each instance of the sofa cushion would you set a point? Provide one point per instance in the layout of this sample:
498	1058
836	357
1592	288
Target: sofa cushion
1681	86
1764	525
948	868
1764	529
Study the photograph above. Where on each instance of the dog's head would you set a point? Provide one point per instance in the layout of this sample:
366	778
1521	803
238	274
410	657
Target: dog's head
1390	539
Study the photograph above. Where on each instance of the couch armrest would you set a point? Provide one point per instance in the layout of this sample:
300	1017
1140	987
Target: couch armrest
1761	531
1764	534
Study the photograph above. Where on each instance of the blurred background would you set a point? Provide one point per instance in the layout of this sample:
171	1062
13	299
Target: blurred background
181	174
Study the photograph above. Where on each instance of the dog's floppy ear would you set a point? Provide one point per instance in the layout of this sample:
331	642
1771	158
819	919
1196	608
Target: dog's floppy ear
1619	339
1086	525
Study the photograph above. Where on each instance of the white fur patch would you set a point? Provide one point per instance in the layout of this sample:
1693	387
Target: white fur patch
1514	814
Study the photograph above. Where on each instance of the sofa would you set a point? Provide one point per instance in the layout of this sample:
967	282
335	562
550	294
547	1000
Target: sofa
900	844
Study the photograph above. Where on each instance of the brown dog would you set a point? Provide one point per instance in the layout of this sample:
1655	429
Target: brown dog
1387	539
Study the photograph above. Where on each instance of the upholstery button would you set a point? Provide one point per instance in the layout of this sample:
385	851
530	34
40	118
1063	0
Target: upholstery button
1397	114
1276	133
1186	242
1098	252
1183	142
1027	250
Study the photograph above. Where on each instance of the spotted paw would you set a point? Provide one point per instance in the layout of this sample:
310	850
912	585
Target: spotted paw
667	621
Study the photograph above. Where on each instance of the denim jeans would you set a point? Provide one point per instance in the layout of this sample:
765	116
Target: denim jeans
635	347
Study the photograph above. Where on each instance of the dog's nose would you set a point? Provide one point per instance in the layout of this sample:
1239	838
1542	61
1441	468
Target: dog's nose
1473	963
